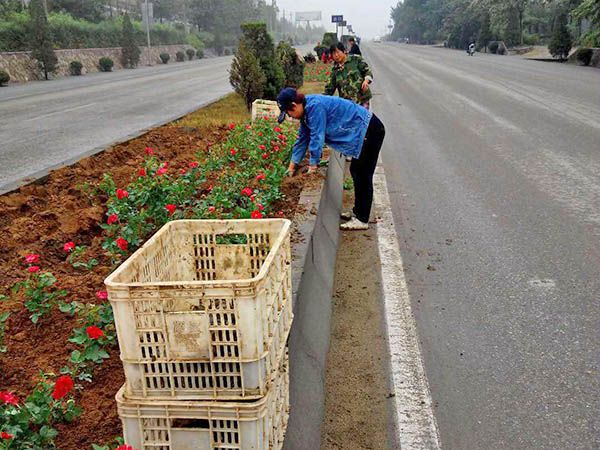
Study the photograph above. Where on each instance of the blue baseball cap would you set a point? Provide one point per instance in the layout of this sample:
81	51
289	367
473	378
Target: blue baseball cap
286	97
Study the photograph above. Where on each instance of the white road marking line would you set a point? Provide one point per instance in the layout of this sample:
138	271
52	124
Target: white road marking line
61	111
417	427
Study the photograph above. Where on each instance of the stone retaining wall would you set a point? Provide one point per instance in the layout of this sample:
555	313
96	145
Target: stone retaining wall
22	68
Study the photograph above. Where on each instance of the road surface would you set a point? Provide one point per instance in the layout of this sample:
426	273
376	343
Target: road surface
44	125
493	168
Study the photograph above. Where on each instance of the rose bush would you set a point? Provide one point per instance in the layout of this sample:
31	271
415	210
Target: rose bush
317	72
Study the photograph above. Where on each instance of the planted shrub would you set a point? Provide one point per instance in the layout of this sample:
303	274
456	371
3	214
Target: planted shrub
246	76
130	52
4	77
200	54
501	50
41	39
75	68
493	47
105	64
293	66
165	57
227	52
561	42
584	56
180	56
259	41
190	53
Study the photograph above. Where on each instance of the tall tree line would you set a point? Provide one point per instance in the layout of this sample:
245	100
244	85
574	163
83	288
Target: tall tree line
516	22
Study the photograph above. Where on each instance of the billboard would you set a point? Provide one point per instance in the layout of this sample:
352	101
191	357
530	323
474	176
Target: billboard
307	16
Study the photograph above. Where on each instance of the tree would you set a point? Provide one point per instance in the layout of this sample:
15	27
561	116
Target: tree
246	76
560	44
130	52
91	10
41	39
292	65
261	44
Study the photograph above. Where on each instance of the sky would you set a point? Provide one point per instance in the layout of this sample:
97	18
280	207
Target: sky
368	17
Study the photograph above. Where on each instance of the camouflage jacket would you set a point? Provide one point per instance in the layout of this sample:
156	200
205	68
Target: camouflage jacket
347	79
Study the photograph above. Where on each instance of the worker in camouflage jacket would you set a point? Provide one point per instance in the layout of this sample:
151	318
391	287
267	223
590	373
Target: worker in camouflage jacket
351	77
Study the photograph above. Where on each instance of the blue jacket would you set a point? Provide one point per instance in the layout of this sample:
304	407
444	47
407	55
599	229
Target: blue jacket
339	123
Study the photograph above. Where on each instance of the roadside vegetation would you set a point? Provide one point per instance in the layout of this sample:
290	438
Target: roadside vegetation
501	23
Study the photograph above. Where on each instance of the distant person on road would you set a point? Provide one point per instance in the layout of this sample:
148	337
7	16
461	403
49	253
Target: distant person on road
354	48
350	76
344	126
471	49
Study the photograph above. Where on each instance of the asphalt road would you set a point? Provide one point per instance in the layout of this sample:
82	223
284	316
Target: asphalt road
493	166
44	125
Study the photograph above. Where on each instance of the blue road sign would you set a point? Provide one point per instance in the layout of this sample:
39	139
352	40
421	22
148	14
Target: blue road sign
337	19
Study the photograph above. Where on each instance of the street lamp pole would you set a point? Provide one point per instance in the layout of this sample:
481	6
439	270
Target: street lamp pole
148	27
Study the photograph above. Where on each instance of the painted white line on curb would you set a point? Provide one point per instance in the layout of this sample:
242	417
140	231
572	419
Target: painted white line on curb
417	428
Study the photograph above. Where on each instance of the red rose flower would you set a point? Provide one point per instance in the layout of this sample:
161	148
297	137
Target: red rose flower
62	387
33	269
161	171
261	176
121	194
182	171
211	209
32	258
280	214
5	435
171	208
231	126
247	191
125	447
142	172
256	214
102	295
248	127
193	165
265	117
112	219
210	188
149	151
94	332
265	155
69	246
260	133
282	137
233	151
121	243
276	148
8	398
260	207
277	130
262	147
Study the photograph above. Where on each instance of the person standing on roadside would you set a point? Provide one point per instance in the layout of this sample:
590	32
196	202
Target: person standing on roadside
354	48
347	128
350	76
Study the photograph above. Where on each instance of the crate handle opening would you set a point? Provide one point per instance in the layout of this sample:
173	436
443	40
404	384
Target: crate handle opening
203	424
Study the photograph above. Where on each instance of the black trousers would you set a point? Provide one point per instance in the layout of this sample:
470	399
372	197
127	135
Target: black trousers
363	168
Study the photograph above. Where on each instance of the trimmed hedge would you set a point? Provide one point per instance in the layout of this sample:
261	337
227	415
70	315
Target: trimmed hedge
4	77
68	32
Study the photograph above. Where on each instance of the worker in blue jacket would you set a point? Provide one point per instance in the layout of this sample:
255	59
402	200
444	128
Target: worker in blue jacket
344	126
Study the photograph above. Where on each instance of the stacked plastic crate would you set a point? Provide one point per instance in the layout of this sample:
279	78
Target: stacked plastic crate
203	312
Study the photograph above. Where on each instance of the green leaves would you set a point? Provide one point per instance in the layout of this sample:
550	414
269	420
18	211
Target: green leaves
38	294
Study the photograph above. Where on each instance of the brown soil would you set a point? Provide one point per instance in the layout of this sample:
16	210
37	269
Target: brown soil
40	218
358	404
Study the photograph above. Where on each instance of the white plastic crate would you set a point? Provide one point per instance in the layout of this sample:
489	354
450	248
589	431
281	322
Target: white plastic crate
266	108
208	425
199	317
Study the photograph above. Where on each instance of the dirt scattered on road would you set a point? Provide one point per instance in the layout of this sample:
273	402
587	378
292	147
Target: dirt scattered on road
359	403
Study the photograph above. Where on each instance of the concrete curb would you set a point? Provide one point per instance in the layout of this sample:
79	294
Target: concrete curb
309	339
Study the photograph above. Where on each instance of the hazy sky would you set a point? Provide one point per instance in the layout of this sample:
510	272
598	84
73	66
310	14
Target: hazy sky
369	17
